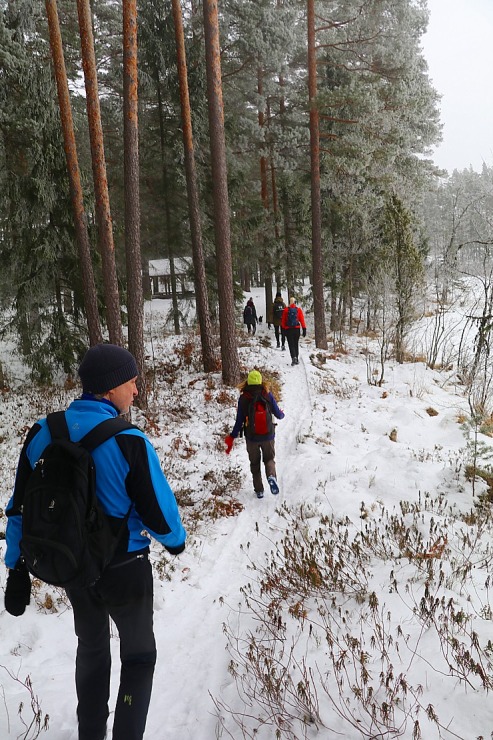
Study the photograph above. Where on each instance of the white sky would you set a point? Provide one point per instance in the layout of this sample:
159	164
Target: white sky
459	50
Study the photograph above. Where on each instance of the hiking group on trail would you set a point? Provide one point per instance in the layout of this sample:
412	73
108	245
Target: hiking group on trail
256	406
89	494
105	570
288	322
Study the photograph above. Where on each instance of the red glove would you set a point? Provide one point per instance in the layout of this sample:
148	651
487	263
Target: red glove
229	441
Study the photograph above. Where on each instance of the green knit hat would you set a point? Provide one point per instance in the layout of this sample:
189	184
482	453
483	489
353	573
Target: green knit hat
254	378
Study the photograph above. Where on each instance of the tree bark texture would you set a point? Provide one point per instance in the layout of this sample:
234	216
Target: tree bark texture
317	261
76	195
103	214
227	328
135	299
264	194
209	358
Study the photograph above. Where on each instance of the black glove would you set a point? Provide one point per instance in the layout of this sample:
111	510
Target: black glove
17	591
175	550
304	332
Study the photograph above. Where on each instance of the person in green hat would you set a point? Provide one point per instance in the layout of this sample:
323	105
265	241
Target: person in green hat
254	417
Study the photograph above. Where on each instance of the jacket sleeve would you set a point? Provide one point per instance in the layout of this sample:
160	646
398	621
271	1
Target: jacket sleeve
301	318
13	533
148	488
240	419
284	318
278	413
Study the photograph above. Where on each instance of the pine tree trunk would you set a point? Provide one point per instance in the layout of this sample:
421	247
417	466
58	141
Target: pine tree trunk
174	295
275	198
288	243
80	220
209	358
169	233
229	349
317	262
275	210
264	192
135	300
103	214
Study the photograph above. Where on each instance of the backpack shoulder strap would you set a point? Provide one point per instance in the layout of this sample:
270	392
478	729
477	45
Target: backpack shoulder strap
103	431
264	397
57	424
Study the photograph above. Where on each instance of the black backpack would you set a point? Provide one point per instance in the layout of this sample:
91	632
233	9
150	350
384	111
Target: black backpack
247	313
258	421
67	539
278	310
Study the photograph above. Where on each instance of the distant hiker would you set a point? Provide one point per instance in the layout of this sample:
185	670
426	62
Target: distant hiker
250	316
277	310
256	405
292	322
138	501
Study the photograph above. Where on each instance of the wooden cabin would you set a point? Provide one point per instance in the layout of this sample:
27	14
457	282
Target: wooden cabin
160	277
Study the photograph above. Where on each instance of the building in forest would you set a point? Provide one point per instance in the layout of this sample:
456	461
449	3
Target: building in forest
160	277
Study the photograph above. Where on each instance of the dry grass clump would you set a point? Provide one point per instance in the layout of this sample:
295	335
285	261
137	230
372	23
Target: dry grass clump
319	642
431	411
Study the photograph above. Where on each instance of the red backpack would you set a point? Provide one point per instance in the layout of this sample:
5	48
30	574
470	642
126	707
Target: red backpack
258	422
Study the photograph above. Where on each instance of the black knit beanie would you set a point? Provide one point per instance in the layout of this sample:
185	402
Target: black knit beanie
106	366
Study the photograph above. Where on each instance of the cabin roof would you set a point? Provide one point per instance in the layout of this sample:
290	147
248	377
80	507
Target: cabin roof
161	267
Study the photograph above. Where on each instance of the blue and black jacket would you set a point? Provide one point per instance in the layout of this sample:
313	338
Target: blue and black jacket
128	472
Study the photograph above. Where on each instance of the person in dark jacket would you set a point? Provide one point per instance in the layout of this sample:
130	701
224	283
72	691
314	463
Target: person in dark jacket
258	447
250	316
278	307
128	476
293	322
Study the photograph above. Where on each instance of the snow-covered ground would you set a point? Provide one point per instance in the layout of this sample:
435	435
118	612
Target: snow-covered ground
365	581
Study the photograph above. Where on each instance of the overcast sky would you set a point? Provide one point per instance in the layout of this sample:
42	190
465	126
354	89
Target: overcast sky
459	50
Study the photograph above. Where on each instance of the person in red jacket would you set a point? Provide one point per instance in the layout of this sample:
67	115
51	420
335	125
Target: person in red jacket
293	322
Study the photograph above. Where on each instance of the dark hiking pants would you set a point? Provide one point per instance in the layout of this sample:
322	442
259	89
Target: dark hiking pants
124	593
293	337
258	451
279	331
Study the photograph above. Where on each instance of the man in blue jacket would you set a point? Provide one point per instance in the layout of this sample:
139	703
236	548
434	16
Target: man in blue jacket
128	476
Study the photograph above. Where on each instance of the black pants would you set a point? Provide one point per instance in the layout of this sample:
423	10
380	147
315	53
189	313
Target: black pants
124	593
278	330
293	337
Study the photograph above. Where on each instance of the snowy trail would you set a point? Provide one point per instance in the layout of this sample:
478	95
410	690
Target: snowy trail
213	582
345	448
